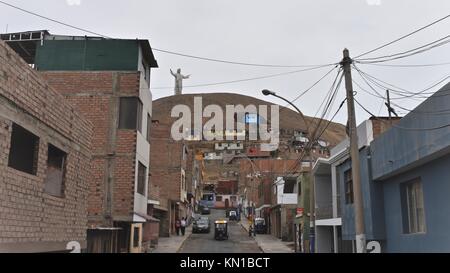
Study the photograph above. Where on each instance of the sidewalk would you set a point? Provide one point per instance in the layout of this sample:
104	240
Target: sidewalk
172	244
267	242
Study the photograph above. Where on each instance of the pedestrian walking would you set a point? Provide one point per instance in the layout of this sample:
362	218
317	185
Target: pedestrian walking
178	226
183	226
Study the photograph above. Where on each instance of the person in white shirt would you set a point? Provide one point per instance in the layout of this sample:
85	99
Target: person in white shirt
183	226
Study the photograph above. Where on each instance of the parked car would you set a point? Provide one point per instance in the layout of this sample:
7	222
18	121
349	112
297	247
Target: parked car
205	210
233	216
201	225
260	226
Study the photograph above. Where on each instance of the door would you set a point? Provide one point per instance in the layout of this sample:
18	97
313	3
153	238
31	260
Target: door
136	238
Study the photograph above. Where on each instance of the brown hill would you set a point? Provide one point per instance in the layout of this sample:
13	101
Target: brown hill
289	119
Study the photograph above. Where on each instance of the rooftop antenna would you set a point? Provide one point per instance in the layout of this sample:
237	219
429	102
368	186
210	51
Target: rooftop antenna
6	28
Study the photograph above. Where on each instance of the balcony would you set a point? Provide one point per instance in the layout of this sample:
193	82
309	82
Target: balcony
324	210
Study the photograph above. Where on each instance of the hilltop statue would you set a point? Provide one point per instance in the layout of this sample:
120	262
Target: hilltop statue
179	81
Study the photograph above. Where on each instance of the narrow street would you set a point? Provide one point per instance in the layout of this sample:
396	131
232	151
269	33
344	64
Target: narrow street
238	242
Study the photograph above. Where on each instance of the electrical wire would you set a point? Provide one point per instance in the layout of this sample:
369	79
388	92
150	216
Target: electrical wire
400	127
245	80
378	95
235	62
407	65
314	137
405	55
403	93
404	52
314	85
404	36
158	49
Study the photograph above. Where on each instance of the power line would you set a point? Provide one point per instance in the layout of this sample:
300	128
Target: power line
405	52
404	55
405	36
400	127
312	139
403	92
408	65
158	49
245	80
53	20
334	116
314	85
378	95
235	62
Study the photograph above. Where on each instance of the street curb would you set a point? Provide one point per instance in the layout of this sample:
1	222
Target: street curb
184	241
257	243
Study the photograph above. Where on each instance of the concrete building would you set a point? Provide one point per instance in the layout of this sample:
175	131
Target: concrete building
108	81
45	152
334	222
410	164
284	207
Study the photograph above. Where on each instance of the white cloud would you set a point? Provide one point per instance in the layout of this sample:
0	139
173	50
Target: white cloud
374	2
73	2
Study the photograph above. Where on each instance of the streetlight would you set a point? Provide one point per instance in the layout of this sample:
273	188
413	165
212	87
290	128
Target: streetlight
307	151
271	93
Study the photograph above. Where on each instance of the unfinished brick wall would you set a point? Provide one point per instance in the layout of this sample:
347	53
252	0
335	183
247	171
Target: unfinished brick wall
381	125
97	96
31	219
166	163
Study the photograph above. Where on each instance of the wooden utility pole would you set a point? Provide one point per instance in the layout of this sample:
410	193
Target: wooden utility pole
389	105
354	154
312	203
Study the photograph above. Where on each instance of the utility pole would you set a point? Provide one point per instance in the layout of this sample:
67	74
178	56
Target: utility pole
390	109
312	202
354	154
389	105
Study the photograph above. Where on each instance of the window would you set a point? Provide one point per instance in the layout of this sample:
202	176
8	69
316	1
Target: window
348	180
146	72
130	113
136	231
184	153
142	172
183	182
413	211
54	181
149	126
23	153
219	198
289	186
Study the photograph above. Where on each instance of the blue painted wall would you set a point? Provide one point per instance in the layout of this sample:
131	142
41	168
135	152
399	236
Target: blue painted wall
435	178
399	149
372	197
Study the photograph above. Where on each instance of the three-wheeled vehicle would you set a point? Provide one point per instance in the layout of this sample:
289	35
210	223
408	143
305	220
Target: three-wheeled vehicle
260	226
221	230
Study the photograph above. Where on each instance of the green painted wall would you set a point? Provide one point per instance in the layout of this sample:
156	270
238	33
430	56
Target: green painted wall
88	55
304	203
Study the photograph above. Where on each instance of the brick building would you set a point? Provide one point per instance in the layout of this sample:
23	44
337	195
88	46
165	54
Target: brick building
44	163
108	81
273	192
169	164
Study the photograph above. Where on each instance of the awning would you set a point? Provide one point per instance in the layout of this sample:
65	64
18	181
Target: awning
147	217
105	228
153	202
158	207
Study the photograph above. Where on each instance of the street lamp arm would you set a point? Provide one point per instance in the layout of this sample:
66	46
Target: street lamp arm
268	93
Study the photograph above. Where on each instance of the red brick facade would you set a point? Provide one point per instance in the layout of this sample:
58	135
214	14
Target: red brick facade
31	219
167	164
96	95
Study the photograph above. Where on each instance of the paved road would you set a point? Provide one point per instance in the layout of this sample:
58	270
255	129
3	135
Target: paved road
238	242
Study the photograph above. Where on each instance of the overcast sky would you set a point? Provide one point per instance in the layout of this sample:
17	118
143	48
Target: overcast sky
286	32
